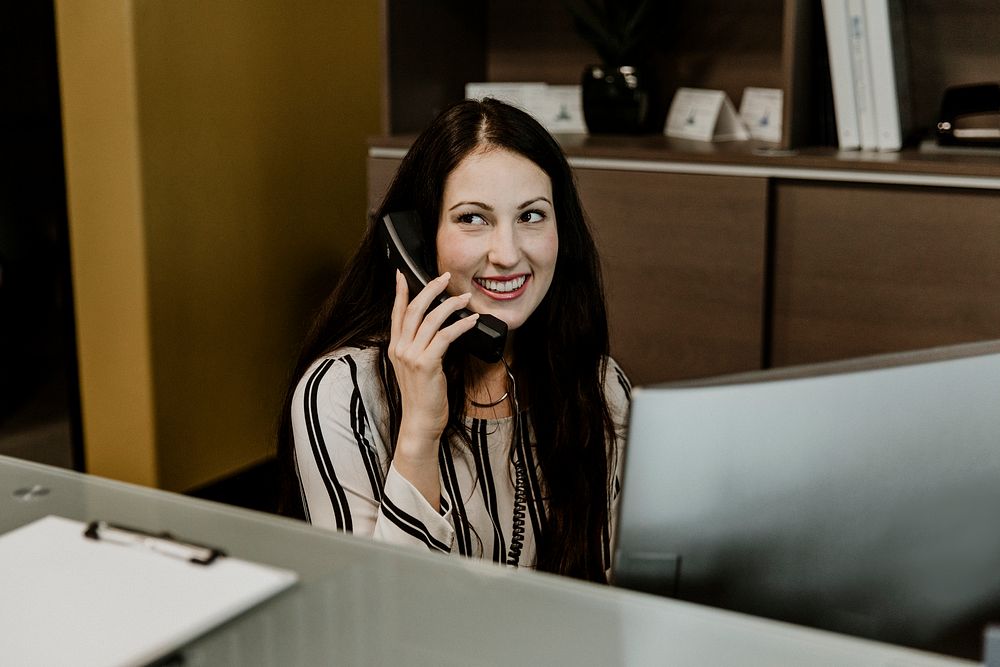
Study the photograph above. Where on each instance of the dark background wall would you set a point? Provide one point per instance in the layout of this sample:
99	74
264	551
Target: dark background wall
38	401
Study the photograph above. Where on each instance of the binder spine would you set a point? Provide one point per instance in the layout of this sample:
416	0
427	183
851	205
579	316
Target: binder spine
861	69
841	75
886	46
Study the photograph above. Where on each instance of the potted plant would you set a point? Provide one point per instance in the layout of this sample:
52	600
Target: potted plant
616	94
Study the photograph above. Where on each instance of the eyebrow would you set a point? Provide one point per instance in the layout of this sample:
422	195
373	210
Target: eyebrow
472	203
487	207
532	201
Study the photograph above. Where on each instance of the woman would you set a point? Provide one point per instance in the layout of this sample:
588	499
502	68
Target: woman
394	432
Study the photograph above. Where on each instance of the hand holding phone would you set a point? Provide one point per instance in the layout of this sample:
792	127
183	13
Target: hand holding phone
418	342
405	249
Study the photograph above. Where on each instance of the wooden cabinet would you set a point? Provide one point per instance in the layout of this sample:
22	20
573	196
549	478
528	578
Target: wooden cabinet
683	258
863	269
380	174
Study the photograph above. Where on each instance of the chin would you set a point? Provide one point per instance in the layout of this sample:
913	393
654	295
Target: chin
514	321
513	317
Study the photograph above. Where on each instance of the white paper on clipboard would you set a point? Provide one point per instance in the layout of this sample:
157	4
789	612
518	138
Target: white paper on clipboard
67	599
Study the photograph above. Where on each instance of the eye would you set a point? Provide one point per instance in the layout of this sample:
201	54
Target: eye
471	219
531	216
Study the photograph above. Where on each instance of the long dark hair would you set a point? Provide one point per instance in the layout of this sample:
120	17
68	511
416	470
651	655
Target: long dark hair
559	354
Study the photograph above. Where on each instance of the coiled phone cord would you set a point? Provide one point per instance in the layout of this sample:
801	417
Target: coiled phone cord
520	494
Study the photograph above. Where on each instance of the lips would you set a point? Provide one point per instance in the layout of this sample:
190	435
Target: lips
502	288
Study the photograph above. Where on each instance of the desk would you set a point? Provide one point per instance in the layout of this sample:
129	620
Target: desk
364	603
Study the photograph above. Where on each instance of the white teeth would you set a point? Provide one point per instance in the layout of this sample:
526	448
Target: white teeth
502	286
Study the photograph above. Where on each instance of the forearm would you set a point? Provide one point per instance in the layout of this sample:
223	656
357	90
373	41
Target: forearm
418	464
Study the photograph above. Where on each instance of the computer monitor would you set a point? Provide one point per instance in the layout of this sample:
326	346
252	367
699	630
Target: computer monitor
861	497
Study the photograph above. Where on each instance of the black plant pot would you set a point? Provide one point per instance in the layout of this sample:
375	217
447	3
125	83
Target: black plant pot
615	100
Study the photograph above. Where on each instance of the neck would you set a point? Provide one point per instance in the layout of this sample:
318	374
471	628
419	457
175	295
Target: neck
486	384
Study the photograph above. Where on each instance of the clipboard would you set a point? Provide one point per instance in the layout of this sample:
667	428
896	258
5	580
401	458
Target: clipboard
116	597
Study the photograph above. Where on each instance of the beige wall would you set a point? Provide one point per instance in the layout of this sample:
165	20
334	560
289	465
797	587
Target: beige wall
215	163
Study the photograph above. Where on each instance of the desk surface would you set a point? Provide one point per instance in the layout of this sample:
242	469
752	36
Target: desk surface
363	603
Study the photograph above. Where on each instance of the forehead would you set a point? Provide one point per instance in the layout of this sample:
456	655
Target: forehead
496	171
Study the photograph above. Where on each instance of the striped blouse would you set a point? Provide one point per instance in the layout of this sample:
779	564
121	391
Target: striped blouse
348	481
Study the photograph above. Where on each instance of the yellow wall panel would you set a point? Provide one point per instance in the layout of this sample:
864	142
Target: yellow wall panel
251	118
107	238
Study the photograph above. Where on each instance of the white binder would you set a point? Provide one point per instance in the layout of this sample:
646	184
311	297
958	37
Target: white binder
861	68
69	599
838	43
886	35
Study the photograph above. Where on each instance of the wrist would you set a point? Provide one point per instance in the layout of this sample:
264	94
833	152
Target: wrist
418	441
421	470
416	454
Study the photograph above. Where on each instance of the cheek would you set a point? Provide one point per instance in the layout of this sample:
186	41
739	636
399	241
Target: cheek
546	251
452	254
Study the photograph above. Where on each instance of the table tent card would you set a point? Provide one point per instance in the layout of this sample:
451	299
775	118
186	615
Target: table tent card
760	109
705	115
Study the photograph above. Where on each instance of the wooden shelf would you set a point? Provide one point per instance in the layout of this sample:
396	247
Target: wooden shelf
434	48
658	148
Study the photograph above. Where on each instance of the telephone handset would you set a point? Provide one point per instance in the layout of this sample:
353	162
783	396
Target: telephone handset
405	249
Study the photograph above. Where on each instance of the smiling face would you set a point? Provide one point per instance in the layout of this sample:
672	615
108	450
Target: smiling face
497	234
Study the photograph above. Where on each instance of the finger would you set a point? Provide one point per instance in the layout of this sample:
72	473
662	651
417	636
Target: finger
398	308
437	317
445	337
423	300
421	303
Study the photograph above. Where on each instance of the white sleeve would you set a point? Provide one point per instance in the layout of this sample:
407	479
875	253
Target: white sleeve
405	516
618	392
343	465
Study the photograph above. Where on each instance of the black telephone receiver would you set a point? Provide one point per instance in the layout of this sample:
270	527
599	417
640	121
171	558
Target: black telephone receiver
405	249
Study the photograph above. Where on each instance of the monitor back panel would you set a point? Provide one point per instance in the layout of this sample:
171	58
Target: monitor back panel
864	502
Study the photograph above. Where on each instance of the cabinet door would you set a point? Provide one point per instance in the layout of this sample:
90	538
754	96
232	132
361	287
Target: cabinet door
867	269
380	174
684	260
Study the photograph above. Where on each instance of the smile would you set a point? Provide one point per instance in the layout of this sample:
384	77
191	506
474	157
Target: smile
505	287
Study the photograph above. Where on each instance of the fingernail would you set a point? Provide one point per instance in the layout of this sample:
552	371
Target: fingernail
446	276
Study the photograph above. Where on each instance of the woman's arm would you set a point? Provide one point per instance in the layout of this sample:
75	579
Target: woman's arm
347	479
416	349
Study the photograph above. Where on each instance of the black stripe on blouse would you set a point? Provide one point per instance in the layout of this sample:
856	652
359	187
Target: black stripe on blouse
338	499
481	454
454	491
411	525
606	543
359	425
624	383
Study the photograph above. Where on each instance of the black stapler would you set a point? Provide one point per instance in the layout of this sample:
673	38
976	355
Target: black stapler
970	116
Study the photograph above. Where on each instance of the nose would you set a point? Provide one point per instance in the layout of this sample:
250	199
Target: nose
504	251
